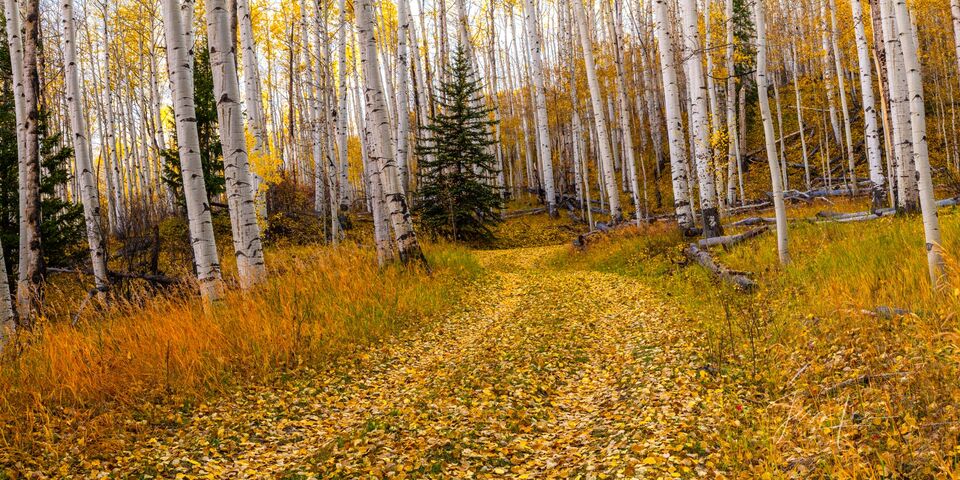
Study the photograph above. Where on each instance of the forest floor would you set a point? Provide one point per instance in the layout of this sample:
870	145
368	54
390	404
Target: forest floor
540	372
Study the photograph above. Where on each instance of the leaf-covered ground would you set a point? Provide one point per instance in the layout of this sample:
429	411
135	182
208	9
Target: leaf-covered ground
539	373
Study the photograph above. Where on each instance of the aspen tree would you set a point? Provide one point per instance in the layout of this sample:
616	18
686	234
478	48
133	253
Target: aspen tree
623	107
699	123
835	41
31	267
671	96
396	202
180	64
918	127
768	133
236	167
602	137
530	14
7	315
89	193
869	107
253	94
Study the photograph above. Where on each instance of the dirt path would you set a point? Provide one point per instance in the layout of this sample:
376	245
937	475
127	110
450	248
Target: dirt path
540	373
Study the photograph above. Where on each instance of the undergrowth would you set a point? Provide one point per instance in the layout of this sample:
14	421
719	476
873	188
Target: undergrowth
846	360
142	365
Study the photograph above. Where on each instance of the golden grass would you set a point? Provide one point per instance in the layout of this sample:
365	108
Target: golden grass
319	302
831	386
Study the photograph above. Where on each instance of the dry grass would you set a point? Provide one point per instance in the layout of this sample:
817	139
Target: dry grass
831	386
127	370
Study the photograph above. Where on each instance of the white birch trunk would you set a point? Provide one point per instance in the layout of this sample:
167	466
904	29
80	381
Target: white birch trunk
835	39
699	123
403	80
7	317
769	135
31	268
671	97
907	195
406	238
869	107
530	14
918	124
236	167
955	14
798	96
179	55
253	97
86	176
623	107
342	114
603	137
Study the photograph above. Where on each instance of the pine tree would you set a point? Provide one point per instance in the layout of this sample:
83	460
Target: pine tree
458	196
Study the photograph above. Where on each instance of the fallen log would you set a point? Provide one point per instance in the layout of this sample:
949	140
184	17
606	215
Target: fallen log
156	279
748	208
750	221
738	279
521	213
729	240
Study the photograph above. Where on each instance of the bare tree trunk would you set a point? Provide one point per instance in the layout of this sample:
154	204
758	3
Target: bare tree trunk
530	13
111	158
869	107
907	195
236	167
7	315
699	123
955	14
671	95
799	101
623	108
179	55
603	137
407	244
89	194
918	125
403	80
835	39
31	270
769	134
342	107
253	97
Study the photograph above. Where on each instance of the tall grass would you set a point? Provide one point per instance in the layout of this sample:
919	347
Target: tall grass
318	303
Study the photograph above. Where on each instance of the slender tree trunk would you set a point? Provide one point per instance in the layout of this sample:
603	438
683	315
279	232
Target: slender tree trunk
699	123
869	108
179	55
89	194
7	315
403	80
907	194
539	96
835	39
111	157
342	107
800	126
828	76
769	135
236	167
253	98
623	107
955	14
918	124
603	137
31	270
407	244
671	96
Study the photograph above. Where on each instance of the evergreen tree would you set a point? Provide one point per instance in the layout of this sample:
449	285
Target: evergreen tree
61	224
458	197
211	152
